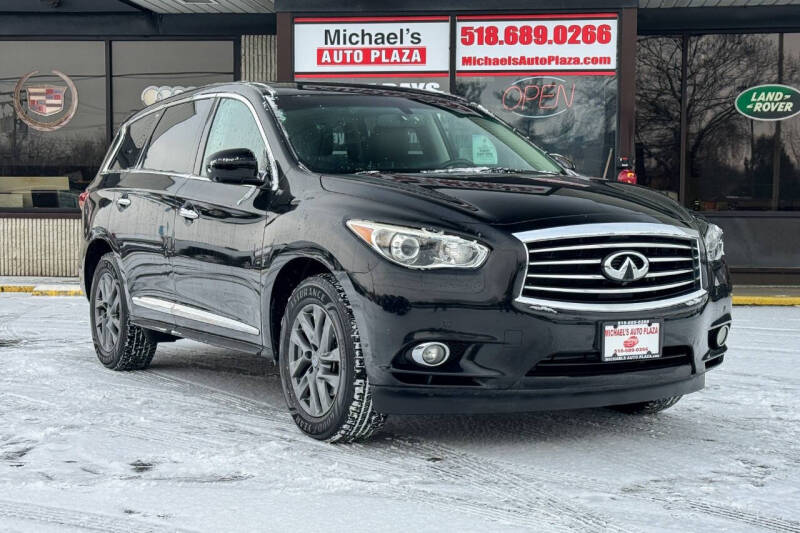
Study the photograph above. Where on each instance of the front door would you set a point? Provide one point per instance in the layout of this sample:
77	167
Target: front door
218	236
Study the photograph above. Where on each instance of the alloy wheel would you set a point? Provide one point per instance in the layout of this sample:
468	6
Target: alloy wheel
106	311
314	360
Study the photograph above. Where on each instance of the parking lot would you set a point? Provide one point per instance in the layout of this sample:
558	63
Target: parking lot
202	442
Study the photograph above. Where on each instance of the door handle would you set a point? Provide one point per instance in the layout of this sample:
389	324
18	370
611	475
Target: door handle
187	213
123	202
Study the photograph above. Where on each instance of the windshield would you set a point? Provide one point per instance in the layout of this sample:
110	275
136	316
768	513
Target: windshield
349	133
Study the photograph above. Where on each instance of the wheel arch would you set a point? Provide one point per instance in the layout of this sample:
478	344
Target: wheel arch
96	249
292	271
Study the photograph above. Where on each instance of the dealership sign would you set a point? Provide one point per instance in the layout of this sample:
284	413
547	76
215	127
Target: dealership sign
769	102
152	93
585	44
46	108
341	47
538	96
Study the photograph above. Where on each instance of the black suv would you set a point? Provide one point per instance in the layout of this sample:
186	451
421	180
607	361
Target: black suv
396	251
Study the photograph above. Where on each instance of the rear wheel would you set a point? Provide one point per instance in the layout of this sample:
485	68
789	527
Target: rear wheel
322	367
647	408
119	344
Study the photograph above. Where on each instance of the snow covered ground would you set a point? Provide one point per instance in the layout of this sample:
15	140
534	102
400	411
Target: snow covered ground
201	442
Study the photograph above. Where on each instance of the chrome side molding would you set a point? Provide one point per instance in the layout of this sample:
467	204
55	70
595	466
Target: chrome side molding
184	311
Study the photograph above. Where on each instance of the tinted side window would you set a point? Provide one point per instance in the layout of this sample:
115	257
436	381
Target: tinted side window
234	127
136	136
174	142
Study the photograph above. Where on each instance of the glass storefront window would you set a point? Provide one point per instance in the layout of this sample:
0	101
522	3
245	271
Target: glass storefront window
54	107
52	121
658	113
732	162
147	71
729	156
789	194
575	116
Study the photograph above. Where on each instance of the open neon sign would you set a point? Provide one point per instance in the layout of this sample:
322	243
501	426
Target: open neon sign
539	97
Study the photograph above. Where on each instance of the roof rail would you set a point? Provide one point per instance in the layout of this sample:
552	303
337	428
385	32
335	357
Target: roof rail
333	85
263	86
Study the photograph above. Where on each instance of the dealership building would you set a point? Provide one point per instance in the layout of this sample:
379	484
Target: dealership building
699	97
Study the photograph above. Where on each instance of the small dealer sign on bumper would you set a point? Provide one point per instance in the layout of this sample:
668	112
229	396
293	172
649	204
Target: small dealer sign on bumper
631	340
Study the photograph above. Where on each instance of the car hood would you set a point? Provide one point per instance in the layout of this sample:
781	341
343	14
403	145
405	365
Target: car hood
517	201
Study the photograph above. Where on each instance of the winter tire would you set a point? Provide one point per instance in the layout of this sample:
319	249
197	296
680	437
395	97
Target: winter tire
119	344
322	367
647	408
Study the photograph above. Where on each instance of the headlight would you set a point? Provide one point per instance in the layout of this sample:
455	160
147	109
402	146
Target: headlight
419	248
715	248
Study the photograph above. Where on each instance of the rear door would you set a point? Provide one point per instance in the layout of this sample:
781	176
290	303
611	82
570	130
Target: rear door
147	207
219	233
139	215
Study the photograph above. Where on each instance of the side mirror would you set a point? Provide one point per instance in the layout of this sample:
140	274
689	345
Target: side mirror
564	161
237	165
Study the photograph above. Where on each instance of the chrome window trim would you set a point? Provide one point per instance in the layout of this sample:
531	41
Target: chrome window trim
273	166
192	313
611	229
112	153
163	173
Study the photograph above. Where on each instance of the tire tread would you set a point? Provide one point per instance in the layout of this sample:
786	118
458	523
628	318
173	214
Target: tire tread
362	421
647	408
137	348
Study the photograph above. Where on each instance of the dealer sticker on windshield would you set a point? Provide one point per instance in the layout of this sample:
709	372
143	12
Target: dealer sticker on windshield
626	341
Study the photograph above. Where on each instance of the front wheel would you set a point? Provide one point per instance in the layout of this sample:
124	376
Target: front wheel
647	408
322	367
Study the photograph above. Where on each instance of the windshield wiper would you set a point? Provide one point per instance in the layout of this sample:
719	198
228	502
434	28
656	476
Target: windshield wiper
456	170
484	170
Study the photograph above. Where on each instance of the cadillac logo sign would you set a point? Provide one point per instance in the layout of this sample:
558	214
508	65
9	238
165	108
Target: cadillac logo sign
46	100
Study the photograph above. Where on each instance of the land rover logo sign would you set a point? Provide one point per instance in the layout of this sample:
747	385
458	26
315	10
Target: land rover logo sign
769	102
46	100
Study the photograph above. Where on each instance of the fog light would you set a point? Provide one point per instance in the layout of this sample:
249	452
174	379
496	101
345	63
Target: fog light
430	353
722	336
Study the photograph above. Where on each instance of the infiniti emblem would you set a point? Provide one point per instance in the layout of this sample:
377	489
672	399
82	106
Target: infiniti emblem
625	266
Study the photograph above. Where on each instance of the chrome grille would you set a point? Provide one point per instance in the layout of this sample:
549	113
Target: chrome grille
565	266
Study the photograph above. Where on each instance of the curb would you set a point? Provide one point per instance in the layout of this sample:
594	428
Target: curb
766	300
16	288
43	290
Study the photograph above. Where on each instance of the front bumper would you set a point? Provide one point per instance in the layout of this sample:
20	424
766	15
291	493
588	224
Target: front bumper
497	346
441	400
